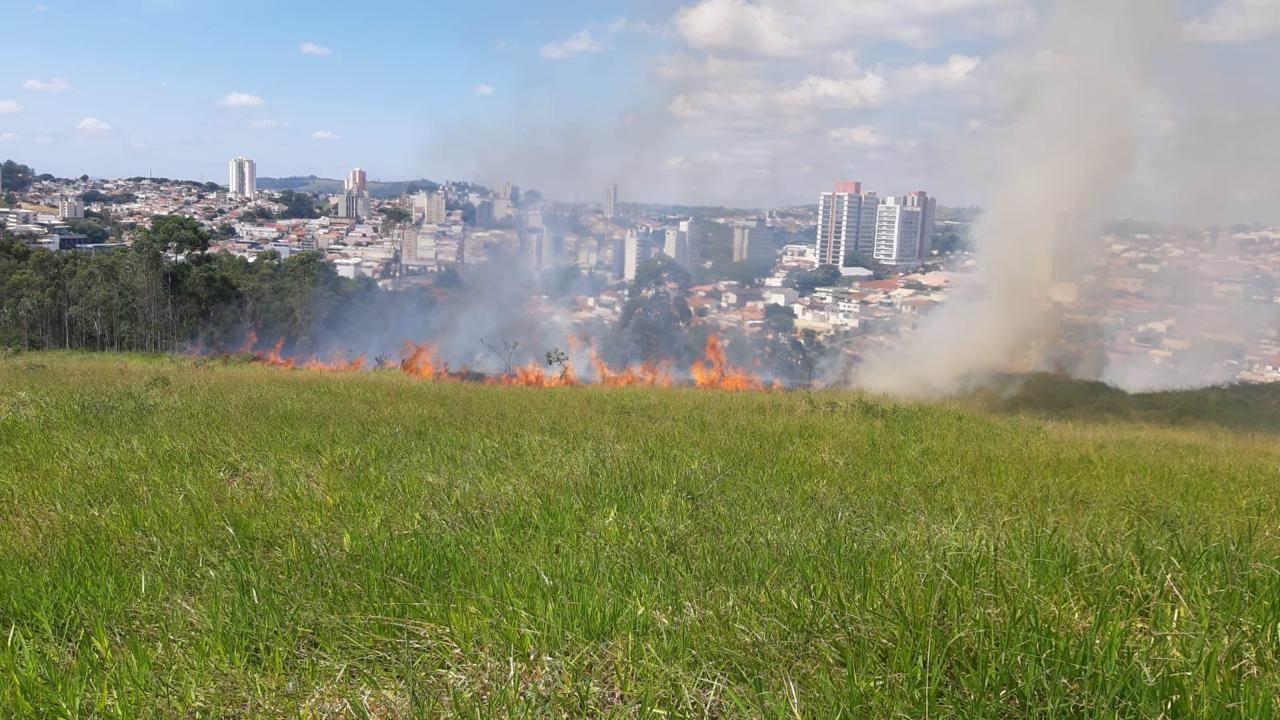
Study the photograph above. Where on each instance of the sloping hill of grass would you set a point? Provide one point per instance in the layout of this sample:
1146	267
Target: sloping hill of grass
192	540
1241	407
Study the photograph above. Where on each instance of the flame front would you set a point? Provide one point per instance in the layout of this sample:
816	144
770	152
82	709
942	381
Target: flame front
714	371
421	361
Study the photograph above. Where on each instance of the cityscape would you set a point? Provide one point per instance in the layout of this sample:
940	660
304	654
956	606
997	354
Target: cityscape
635	359
856	271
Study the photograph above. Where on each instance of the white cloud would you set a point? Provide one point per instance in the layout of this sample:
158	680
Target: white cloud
42	140
955	73
682	67
794	28
484	89
53	85
860	135
268	124
10	107
707	103
8	136
241	100
577	44
310	48
855	92
740	27
325	135
41	7
773	95
1237	21
93	126
640	26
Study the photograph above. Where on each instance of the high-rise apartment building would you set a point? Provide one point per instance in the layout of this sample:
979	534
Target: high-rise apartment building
502	208
630	259
484	214
681	244
431	206
352	205
846	223
244	179
357	182
611	201
70	208
511	193
904	229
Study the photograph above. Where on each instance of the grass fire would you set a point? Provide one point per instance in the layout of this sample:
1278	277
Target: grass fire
712	371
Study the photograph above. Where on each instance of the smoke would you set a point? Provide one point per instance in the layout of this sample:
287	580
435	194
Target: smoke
1076	110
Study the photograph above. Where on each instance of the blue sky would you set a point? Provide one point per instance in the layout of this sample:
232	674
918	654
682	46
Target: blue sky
727	101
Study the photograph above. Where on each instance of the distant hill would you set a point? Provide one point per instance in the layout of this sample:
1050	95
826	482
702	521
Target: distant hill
329	186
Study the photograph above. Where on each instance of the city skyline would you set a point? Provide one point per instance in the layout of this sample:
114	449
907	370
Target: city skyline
699	101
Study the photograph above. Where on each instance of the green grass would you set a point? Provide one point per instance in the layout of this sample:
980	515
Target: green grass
205	541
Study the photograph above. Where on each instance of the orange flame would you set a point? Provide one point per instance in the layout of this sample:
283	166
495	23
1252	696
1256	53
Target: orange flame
420	361
250	339
646	375
534	375
274	358
714	371
339	363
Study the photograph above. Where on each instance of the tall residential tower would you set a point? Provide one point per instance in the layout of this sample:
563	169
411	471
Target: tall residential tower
611	201
846	223
357	182
244	179
904	229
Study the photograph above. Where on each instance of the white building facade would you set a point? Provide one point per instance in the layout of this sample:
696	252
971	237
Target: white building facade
846	224
244	179
904	229
357	182
70	208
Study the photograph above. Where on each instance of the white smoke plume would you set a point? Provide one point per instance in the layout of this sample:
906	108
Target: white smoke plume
1068	147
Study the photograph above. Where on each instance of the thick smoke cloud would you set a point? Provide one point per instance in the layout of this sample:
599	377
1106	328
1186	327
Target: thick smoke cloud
1081	135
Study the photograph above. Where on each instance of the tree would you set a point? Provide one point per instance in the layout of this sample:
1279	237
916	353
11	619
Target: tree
749	272
806	281
779	319
395	215
529	198
90	228
657	272
806	350
16	177
298	205
175	233
654	315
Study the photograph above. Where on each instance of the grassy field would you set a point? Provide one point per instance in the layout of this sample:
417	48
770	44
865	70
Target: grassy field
184	540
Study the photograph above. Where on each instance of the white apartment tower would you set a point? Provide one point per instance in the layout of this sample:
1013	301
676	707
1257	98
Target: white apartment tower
630	255
70	208
904	229
846	223
244	179
357	182
681	245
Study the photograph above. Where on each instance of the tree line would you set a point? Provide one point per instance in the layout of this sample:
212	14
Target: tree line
166	292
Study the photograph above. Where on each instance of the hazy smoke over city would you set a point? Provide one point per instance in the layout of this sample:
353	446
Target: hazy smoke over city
1069	145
